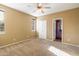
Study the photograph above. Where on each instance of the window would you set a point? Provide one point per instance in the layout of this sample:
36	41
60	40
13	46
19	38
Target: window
33	24
2	22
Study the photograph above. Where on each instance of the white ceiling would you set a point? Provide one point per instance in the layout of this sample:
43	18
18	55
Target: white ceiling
29	8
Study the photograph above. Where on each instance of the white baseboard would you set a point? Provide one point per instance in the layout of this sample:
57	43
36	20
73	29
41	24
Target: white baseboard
66	43
13	43
71	44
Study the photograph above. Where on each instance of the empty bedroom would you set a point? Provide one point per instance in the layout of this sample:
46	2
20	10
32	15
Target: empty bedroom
39	29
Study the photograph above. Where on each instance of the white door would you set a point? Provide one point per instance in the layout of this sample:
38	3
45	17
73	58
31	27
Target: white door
41	28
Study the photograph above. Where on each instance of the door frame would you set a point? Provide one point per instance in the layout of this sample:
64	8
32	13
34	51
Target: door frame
54	26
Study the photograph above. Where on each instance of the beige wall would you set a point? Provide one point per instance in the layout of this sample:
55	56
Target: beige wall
18	26
71	25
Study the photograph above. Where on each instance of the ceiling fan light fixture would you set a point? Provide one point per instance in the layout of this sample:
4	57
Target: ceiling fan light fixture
40	8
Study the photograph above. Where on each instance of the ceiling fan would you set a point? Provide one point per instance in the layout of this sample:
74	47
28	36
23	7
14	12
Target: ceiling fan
41	7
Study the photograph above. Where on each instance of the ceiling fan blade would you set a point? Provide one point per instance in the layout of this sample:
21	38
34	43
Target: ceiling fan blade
47	7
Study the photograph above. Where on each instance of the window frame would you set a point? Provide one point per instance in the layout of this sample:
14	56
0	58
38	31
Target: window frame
33	25
3	32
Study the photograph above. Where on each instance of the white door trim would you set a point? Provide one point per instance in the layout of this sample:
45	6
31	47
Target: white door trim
53	27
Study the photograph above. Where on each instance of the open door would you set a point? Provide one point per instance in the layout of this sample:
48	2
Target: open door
57	29
58	32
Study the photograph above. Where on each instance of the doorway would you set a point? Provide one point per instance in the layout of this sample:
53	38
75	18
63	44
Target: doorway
41	28
57	29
